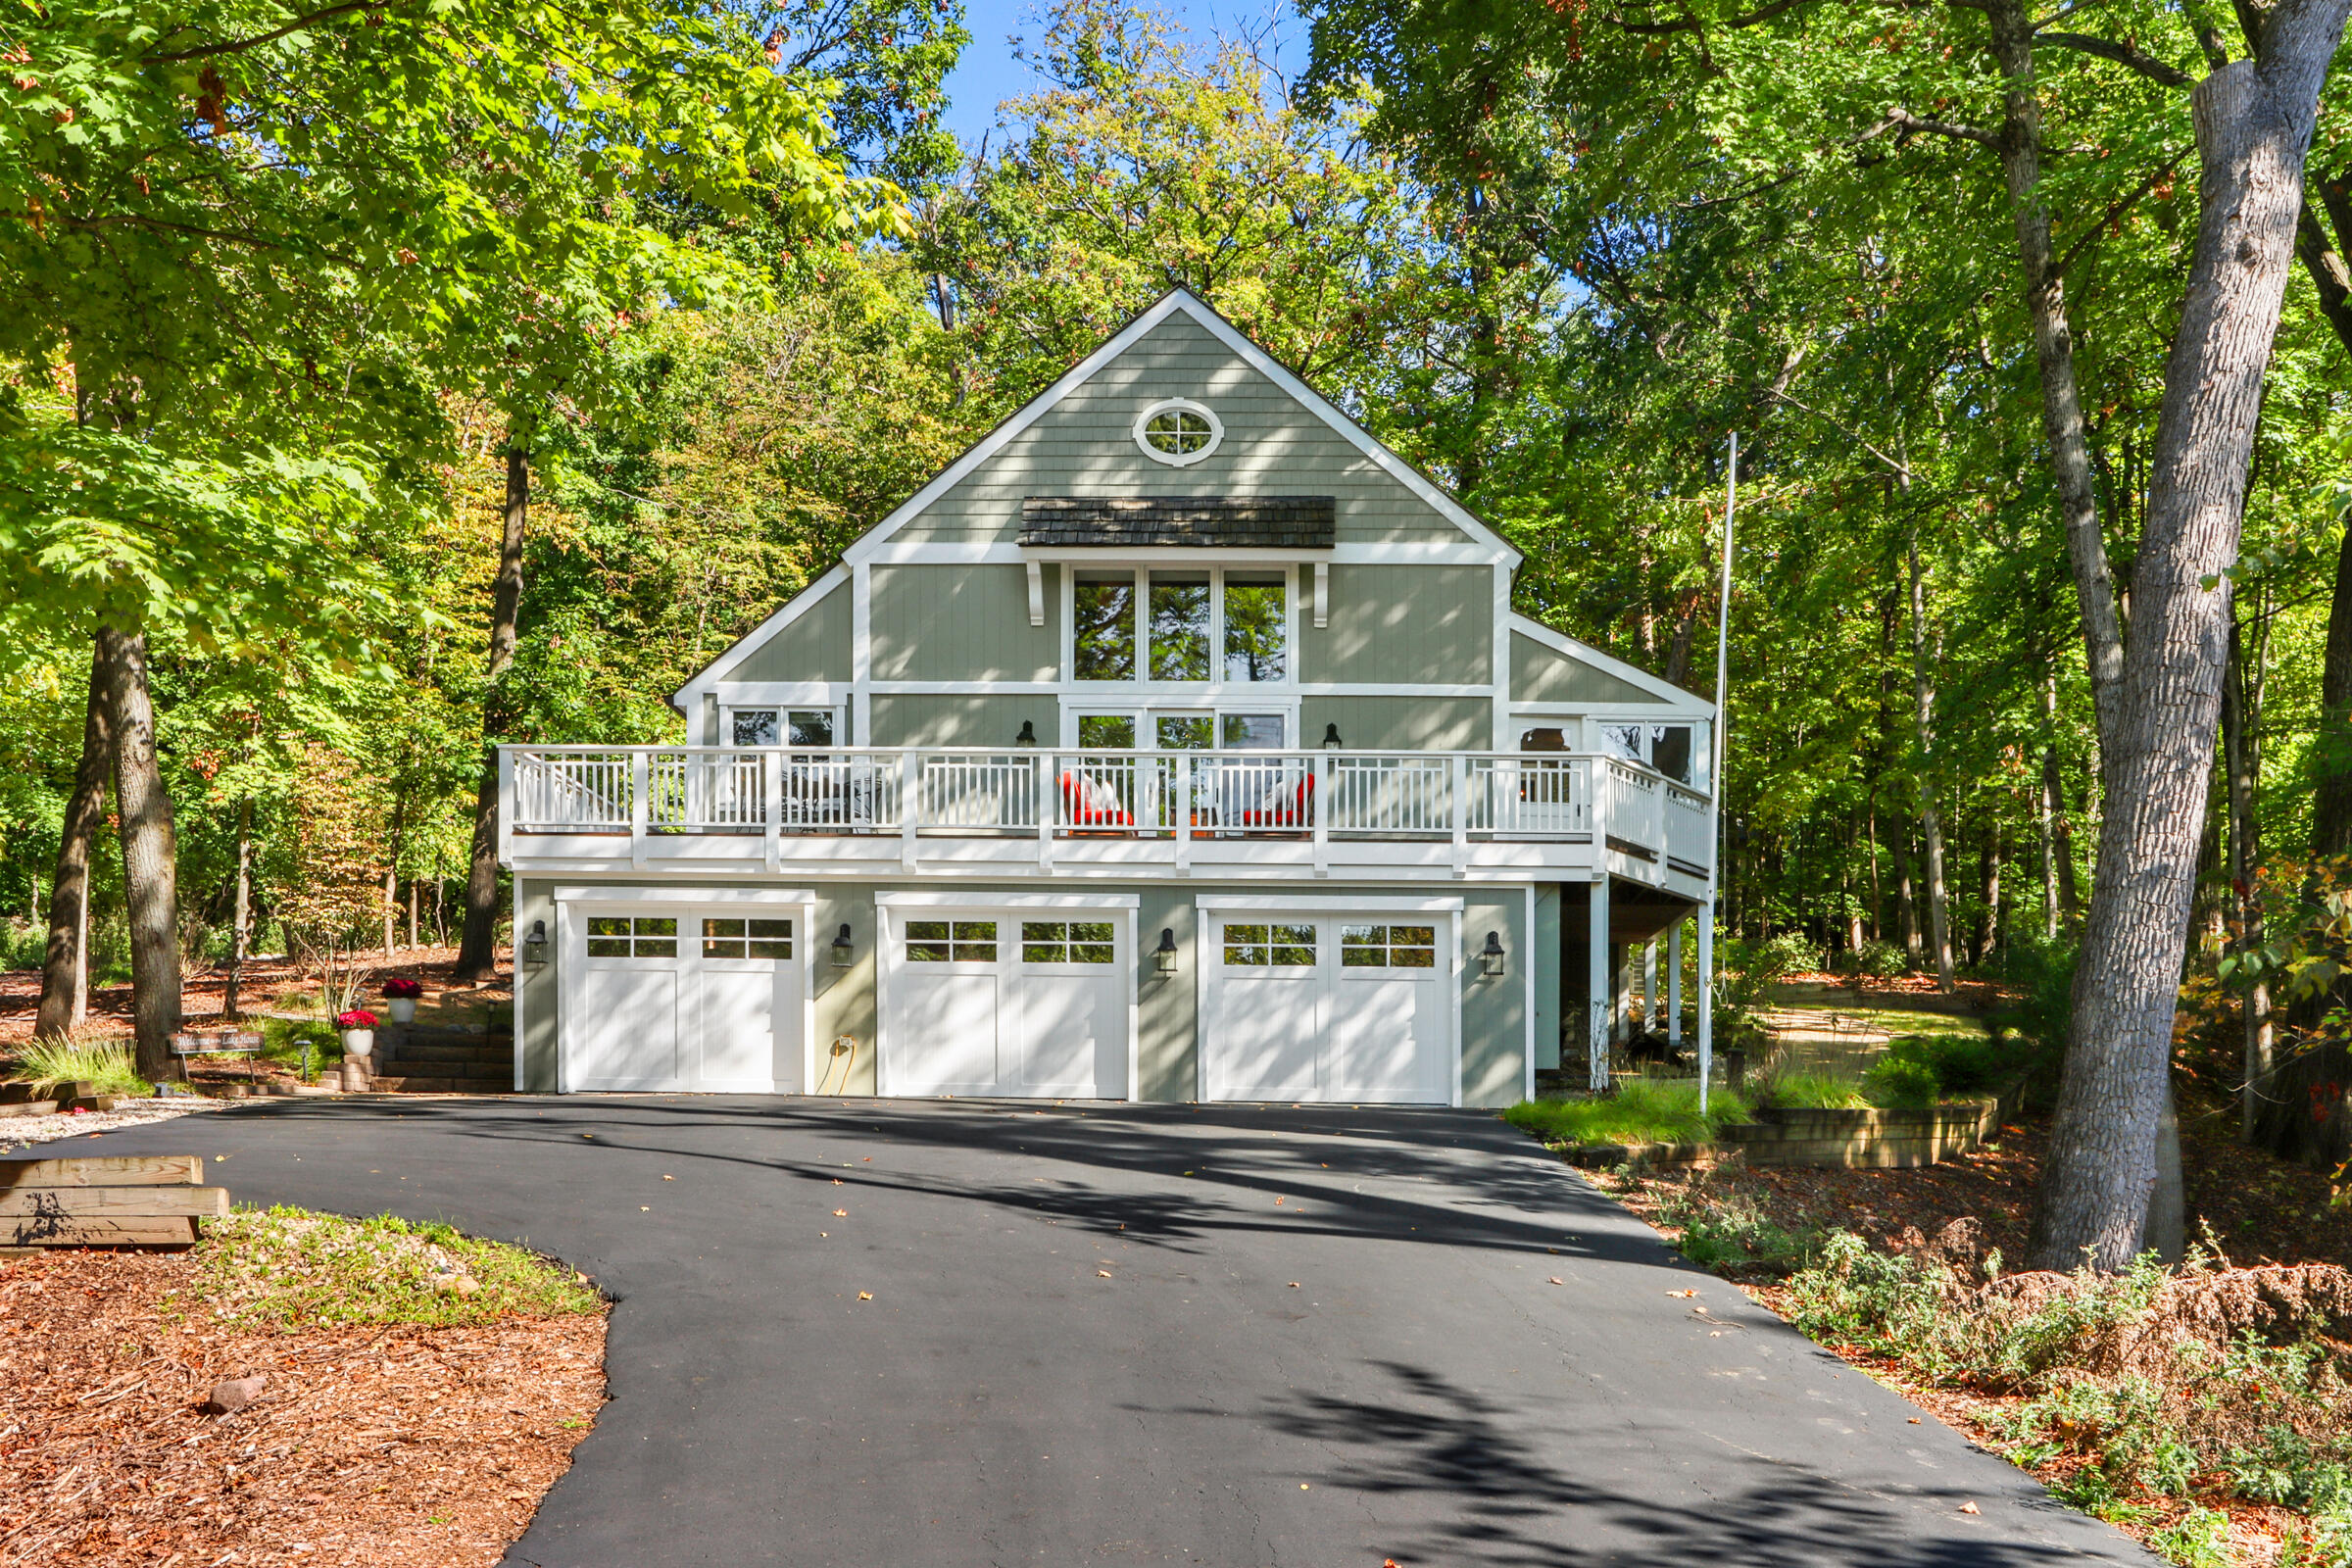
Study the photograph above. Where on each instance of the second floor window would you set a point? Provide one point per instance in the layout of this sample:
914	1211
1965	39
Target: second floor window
1197	627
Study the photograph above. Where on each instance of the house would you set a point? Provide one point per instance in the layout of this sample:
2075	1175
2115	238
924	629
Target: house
1178	742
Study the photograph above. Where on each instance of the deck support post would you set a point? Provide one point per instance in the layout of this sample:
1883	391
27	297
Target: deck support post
1597	978
1649	983
1673	987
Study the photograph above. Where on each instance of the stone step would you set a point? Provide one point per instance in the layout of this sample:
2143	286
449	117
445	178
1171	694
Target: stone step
439	1050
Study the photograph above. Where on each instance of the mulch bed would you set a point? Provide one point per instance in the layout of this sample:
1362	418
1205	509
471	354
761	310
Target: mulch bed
204	992
368	1447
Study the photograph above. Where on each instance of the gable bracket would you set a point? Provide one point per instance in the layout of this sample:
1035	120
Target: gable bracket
1037	593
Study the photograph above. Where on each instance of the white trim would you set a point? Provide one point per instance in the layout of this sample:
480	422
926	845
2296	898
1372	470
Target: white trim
1036	573
1175	300
735	653
1527	1050
669	896
1370	904
779	693
1322	595
1633	675
1178	460
982	900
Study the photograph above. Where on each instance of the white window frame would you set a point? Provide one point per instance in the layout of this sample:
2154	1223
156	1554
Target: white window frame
1145	714
1180	693
1179	459
783	713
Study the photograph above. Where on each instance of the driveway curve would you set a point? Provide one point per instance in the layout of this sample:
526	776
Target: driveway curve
1092	1333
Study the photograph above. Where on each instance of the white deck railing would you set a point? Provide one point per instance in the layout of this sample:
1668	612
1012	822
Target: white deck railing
1045	794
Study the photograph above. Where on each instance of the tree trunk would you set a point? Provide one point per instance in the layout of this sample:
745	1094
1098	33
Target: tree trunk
2332	748
1906	903
1930	820
150	874
1988	923
240	937
478	952
66	960
2062	421
2058	896
2253	125
2241	747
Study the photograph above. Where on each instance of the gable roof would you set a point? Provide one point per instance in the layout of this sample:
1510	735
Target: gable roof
1632	674
1184	302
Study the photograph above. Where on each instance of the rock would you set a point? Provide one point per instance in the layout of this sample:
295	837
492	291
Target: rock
233	1394
456	1284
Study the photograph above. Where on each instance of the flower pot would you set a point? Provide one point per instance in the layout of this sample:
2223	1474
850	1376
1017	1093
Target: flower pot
402	1009
358	1042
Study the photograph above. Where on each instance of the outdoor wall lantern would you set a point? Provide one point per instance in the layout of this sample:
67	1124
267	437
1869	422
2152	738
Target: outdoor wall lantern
1028	734
1331	737
1490	956
844	952
1163	956
534	947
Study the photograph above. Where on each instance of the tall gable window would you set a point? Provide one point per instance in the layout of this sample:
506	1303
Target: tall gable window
1102	626
1207	626
1178	431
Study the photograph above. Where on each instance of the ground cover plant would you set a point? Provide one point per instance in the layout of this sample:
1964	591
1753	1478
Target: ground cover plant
82	1056
1636	1112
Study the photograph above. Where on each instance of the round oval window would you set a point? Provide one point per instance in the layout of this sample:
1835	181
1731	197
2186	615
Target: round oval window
1178	431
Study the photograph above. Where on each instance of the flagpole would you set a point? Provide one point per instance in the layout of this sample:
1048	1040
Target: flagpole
1723	707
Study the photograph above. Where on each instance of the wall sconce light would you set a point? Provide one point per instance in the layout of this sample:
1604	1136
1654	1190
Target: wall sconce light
1331	737
844	952
534	947
1490	956
1028	734
1163	956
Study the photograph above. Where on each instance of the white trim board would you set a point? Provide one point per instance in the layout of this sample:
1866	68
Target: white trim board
1632	674
672	895
998	553
1370	902
984	900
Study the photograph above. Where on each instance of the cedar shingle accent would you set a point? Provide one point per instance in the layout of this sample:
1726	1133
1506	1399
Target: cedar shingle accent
1266	522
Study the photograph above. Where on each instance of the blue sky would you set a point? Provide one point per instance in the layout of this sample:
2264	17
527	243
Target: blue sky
988	73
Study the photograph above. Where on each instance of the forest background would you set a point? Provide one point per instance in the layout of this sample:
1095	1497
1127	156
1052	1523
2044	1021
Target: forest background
1555	259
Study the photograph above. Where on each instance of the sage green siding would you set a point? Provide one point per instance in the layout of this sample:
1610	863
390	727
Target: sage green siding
1401	723
845	998
1167	1013
1539	674
944	719
963	622
1085	446
535	989
1494	1016
1418	624
814	647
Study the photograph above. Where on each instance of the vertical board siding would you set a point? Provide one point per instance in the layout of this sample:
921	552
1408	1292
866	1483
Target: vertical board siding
1416	625
1399	723
1494	1017
963	622
946	719
814	647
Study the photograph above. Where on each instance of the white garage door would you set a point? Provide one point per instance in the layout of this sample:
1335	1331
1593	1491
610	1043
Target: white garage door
1331	1008
694	999
1018	1002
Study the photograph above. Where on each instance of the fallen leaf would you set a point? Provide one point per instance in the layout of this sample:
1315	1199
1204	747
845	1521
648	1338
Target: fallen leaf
1556	1280
1101	1273
1915	1420
1970	1507
1278	1199
669	1178
1294	1285
841	1213
836	1181
645	1209
865	1295
1682	1293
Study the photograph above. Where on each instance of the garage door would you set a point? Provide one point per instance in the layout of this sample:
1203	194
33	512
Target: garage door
1328	1008
694	999
1018	1002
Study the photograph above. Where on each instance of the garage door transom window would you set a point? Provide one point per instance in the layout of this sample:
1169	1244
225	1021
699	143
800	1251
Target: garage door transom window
1065	942
1279	946
950	940
746	939
632	936
1388	946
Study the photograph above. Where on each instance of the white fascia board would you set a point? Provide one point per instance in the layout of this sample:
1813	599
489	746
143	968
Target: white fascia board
1369	904
1348	429
661	895
799	604
1630	674
764	693
988	552
981	900
868	546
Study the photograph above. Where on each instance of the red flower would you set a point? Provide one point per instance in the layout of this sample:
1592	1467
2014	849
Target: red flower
401	986
355	1018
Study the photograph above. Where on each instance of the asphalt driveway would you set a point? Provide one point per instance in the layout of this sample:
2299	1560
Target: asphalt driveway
1111	1333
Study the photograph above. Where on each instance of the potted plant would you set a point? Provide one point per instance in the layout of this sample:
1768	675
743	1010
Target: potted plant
400	998
358	1027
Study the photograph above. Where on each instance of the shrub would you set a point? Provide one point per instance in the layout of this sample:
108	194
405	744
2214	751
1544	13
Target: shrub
1901	1082
1812	1091
1635	1112
2123	1425
1735	1233
24	945
2284	1467
1877	958
1964	1064
82	1057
